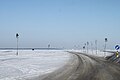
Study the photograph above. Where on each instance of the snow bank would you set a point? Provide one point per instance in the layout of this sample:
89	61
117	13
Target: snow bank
30	63
97	53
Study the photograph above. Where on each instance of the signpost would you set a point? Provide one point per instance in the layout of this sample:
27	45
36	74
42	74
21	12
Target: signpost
105	46
117	47
17	36
83	49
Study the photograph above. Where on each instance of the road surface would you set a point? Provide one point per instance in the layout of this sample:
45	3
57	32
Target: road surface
85	67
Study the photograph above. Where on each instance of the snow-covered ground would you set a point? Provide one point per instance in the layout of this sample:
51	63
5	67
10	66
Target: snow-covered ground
30	63
97	53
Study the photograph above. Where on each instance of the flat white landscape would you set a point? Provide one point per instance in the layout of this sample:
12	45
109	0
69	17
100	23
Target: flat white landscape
30	63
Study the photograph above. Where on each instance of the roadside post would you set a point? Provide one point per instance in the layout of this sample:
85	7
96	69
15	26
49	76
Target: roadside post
17	36
96	46
83	49
117	47
87	46
105	46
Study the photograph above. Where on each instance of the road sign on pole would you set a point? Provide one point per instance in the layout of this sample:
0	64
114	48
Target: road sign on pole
17	36
117	47
105	46
106	39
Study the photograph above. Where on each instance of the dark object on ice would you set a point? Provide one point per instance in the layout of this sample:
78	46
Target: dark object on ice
33	49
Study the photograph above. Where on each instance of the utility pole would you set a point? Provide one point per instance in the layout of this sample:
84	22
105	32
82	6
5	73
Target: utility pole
17	36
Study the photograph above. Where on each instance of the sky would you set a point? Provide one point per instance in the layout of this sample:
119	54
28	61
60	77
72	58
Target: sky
60	23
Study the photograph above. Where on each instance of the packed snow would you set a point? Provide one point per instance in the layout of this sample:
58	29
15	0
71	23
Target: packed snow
30	63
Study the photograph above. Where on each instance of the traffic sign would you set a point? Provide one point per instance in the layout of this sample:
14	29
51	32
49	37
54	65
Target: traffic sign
106	39
117	47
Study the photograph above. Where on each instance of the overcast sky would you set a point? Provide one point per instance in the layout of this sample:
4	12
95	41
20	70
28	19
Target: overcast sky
61	23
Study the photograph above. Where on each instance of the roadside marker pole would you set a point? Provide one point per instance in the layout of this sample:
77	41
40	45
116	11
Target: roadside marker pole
87	46
105	47
117	47
17	36
96	46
